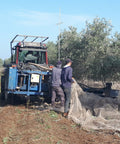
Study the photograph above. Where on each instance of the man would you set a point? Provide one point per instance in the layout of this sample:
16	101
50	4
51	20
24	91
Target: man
56	84
29	57
66	84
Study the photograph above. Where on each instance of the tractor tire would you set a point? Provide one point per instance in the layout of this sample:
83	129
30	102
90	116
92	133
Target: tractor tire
9	99
2	87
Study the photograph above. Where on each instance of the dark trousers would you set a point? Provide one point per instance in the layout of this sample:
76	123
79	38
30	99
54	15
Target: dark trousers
67	92
57	91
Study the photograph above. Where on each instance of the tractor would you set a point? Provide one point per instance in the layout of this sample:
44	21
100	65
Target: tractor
28	74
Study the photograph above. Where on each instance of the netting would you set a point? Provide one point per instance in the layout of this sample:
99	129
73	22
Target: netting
92	111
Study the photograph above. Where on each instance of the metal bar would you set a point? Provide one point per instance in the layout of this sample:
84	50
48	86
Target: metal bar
45	38
17	55
14	38
32	49
11	52
24	79
29	93
34	39
46	57
36	72
40	83
31	36
16	79
28	89
24	38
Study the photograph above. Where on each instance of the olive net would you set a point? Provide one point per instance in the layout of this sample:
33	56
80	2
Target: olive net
92	111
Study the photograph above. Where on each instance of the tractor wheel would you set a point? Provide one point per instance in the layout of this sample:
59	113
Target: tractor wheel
6	97
2	87
9	98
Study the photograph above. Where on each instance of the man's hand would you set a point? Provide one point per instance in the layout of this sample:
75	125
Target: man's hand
73	80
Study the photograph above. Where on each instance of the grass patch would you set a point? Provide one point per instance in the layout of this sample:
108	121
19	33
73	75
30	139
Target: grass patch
64	127
73	125
37	137
47	127
53	114
18	111
5	140
60	142
40	120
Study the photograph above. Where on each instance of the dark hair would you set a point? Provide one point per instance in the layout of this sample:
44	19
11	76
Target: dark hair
59	63
68	60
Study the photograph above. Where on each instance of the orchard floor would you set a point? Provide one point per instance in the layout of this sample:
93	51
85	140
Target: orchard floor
21	125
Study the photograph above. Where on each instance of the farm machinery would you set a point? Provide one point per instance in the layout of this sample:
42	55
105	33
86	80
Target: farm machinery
29	73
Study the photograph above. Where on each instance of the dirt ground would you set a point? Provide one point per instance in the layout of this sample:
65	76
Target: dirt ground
21	125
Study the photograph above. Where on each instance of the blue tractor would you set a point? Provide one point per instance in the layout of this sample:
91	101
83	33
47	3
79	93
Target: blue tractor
29	73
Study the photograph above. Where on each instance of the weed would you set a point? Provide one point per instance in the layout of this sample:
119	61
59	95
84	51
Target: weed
73	126
27	102
78	125
60	142
5	140
37	113
10	132
37	137
41	121
53	114
47	126
64	127
18	111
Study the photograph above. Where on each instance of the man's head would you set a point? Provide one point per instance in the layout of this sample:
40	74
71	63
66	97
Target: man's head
68	62
59	64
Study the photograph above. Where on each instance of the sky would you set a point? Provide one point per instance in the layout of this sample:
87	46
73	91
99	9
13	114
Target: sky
40	17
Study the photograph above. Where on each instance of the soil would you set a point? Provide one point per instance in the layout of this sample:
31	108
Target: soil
21	125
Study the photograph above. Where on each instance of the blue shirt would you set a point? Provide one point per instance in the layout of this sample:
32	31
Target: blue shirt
56	76
66	77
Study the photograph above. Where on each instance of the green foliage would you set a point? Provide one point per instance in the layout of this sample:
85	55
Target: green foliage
96	42
1	62
69	41
53	114
5	140
18	111
106	69
94	52
60	142
52	53
7	62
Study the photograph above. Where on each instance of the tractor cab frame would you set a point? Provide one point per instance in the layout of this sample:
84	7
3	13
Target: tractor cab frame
23	44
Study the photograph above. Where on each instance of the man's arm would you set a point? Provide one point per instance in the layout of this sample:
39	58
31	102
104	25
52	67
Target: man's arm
70	75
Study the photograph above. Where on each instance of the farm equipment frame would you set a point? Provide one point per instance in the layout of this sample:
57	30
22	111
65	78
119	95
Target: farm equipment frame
29	73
